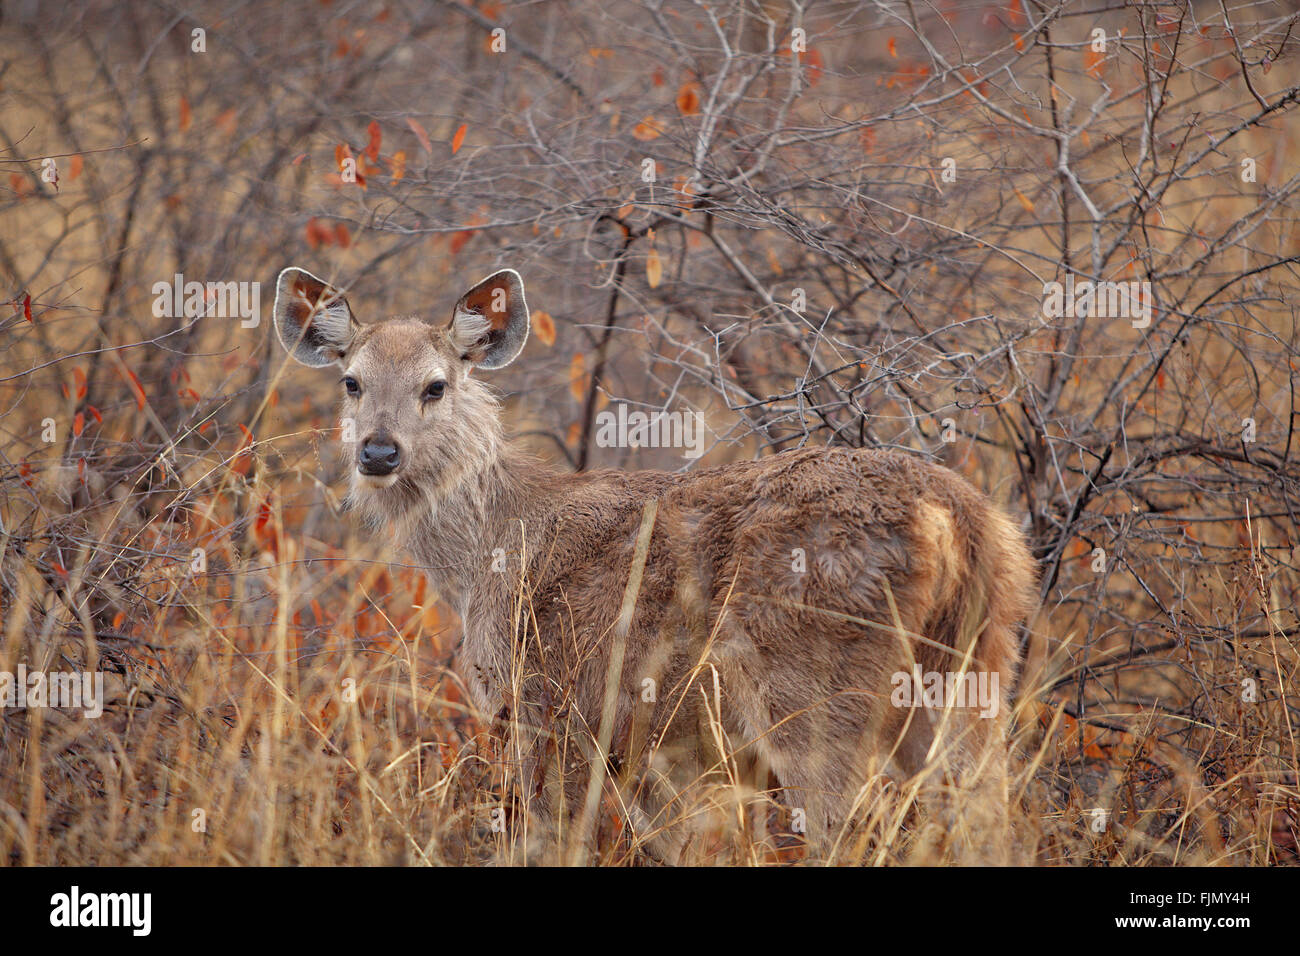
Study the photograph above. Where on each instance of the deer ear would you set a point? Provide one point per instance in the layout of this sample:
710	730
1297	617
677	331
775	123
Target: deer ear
490	322
312	318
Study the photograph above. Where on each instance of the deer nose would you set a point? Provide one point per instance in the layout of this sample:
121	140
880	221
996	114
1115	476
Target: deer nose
379	456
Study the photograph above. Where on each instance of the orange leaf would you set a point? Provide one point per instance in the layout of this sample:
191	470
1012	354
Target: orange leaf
1092	62
79	377
654	269
74	168
458	139
1025	201
578	376
893	48
78	424
186	116
372	148
648	129
398	164
688	98
342	236
544	327
226	122
421	134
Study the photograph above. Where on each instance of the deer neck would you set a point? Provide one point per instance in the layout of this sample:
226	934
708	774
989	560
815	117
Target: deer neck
457	537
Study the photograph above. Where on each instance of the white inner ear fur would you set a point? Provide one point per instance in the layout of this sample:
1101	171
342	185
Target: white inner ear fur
332	320
469	329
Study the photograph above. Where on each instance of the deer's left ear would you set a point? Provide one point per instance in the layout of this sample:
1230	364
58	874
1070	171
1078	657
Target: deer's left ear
312	318
490	322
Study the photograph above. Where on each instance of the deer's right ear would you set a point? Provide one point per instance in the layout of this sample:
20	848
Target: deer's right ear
312	318
490	322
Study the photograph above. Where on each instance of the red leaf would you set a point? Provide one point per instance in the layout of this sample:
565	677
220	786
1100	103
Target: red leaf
99	419
372	148
27	306
458	139
186	116
317	235
137	388
459	239
816	65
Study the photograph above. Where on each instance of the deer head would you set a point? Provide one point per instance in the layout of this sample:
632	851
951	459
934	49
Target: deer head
415	422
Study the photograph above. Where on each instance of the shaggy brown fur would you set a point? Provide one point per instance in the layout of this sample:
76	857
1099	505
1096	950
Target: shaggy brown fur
779	597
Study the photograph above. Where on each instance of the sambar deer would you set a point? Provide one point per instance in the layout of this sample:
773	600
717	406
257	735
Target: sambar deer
652	631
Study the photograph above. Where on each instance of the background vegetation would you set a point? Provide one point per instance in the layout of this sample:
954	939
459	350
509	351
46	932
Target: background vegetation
846	241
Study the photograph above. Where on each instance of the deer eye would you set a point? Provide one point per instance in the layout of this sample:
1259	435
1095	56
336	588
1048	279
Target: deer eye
351	385
433	391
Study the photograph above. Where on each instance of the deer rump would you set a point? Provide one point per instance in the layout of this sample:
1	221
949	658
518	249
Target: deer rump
779	600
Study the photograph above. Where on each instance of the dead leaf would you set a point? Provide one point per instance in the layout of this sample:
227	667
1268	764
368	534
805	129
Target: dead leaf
421	134
654	269
578	377
648	129
544	327
688	98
